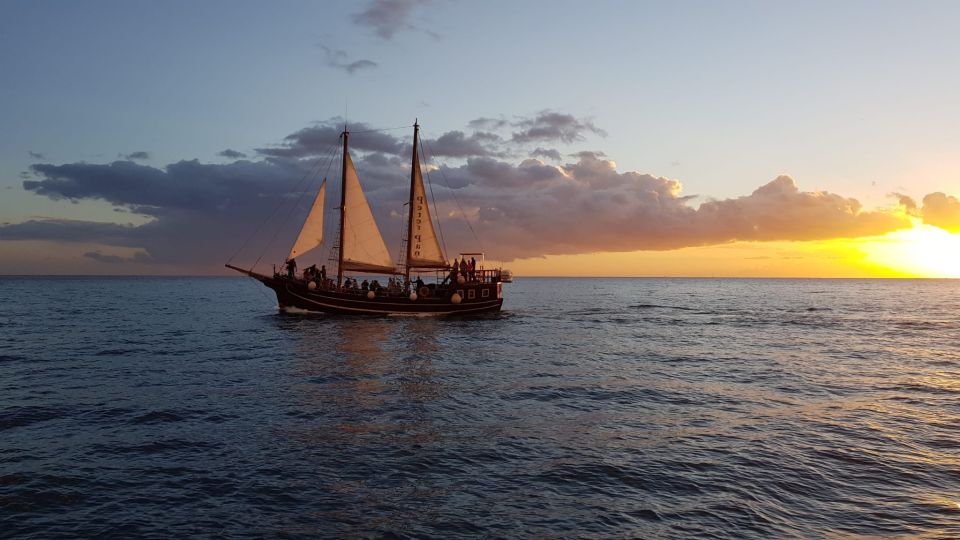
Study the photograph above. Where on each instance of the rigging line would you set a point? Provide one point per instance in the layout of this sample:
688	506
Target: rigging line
430	184
326	170
312	172
270	216
456	200
379	129
280	225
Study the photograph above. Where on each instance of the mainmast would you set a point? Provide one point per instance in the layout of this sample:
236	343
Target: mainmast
413	183
343	204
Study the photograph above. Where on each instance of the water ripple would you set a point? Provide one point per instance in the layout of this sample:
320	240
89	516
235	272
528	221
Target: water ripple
149	407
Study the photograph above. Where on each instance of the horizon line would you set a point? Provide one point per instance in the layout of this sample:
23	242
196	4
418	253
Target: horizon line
515	276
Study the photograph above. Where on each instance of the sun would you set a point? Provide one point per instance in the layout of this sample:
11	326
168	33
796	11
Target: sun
922	251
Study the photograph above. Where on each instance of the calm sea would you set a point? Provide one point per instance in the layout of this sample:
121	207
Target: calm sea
593	408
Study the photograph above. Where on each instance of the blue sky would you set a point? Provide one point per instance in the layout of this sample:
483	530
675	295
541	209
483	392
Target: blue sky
858	98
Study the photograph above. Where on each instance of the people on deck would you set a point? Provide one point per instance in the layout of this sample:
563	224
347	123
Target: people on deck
291	268
323	272
365	285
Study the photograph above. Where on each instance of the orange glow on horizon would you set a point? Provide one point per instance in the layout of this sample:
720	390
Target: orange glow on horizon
923	251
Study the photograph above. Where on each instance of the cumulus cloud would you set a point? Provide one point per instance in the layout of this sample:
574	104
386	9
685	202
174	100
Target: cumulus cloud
231	154
942	210
199	211
132	156
339	59
387	17
587	206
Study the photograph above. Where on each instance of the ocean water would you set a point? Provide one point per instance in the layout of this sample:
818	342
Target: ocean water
589	408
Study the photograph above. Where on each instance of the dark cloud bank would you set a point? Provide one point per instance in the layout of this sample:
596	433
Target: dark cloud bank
200	213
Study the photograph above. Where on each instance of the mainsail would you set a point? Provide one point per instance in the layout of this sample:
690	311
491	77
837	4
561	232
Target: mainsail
311	235
423	248
363	249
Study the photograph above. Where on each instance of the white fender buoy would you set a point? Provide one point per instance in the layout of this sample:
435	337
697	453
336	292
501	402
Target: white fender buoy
460	280
312	285
371	295
413	297
455	299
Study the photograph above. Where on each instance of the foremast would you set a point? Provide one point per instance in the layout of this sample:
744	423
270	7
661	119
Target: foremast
423	246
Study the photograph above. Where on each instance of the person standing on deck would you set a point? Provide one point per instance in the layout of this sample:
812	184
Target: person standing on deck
291	268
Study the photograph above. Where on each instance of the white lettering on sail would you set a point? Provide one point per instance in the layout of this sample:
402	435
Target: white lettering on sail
424	247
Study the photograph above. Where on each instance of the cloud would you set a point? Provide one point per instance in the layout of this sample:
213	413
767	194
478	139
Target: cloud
553	126
68	230
232	154
536	209
387	17
337	58
487	123
138	257
35	155
199	212
457	144
907	203
320	138
588	154
548	153
140	155
942	210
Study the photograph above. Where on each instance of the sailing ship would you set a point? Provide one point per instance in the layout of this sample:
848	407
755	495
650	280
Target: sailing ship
464	288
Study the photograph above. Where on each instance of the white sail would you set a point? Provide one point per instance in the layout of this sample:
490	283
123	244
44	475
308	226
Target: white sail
363	249
311	235
423	248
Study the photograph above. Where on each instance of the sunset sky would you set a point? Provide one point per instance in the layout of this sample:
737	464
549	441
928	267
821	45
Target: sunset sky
801	139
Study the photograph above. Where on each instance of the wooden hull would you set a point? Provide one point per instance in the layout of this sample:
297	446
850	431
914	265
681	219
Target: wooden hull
293	293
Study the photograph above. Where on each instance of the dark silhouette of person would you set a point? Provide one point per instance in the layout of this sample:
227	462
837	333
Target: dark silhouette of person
291	268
